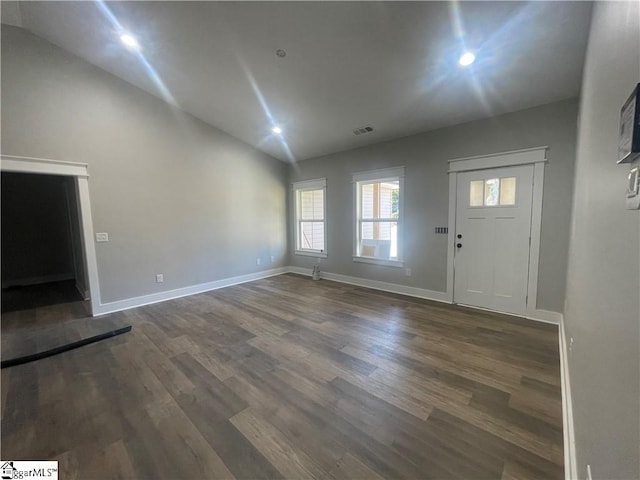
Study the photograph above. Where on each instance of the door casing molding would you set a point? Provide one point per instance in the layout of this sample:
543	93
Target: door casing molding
13	163
531	156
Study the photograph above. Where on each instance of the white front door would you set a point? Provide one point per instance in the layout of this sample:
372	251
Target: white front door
493	228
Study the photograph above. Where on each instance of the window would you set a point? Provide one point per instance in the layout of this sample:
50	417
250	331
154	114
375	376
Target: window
378	216
310	207
492	192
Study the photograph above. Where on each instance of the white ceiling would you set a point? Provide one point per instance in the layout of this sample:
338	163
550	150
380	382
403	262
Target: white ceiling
391	65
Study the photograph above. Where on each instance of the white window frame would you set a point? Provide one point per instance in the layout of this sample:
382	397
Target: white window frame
375	176
318	184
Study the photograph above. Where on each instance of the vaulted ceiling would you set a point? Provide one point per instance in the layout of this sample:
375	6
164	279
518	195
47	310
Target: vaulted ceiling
389	65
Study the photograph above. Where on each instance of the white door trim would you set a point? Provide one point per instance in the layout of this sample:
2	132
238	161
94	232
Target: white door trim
530	156
512	158
13	163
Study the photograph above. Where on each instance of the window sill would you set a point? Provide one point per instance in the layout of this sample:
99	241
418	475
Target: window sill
306	253
379	261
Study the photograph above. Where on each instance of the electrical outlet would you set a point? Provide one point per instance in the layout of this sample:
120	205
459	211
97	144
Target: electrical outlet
589	472
159	278
102	237
407	272
257	261
570	343
273	259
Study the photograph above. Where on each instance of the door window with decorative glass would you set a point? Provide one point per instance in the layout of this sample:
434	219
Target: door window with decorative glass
493	192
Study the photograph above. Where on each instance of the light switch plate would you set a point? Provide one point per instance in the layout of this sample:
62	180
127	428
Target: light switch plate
102	237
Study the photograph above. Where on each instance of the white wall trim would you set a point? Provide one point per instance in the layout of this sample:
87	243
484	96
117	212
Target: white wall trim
531	156
86	223
512	158
83	293
387	287
134	302
380	174
453	205
311	253
45	166
299	270
570	462
536	230
378	261
544	316
310	184
376	285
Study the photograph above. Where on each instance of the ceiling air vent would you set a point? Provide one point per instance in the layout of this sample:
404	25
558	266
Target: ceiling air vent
362	130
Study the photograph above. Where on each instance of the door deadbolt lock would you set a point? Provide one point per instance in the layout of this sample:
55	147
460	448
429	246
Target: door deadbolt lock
459	235
459	245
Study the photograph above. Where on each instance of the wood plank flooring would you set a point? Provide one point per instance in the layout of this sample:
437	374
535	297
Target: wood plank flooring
289	378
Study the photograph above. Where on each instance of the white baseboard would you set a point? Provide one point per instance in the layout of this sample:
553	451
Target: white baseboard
120	305
111	307
545	316
377	285
23	282
299	271
538	315
570	463
84	293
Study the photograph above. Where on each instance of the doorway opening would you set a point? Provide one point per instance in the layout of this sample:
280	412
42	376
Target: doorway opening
43	260
51	261
76	178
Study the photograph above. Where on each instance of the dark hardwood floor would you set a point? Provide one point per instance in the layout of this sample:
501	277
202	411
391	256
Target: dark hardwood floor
286	377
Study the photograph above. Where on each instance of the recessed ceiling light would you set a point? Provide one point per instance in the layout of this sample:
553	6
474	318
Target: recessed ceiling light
130	41
467	59
277	130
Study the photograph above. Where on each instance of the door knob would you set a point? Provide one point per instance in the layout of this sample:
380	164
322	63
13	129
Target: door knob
459	245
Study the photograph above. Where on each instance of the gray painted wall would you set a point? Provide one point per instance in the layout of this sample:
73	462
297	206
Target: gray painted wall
176	195
602	313
36	230
427	195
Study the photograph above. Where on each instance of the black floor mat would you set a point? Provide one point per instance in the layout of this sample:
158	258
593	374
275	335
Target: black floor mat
19	342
